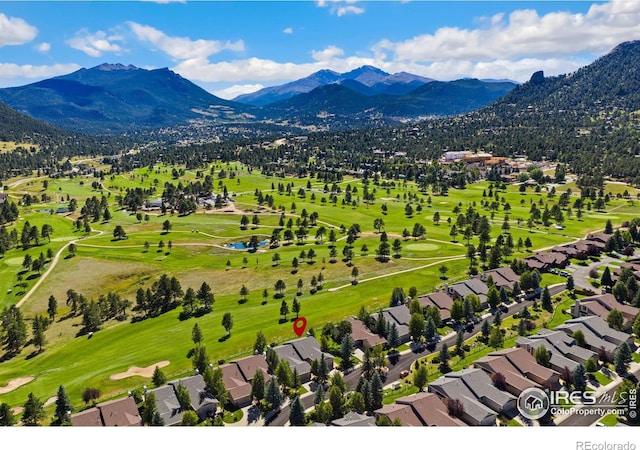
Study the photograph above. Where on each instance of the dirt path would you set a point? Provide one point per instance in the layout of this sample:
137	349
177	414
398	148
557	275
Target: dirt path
440	261
52	266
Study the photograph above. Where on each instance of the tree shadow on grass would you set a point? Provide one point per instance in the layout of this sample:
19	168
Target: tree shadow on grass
224	338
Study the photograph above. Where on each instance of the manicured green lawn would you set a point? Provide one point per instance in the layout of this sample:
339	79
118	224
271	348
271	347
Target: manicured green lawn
102	265
391	395
610	420
601	378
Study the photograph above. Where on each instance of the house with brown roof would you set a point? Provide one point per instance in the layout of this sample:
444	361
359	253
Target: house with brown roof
250	365
601	306
431	410
404	413
520	370
544	261
237	386
440	300
115	413
362	336
502	277
87	418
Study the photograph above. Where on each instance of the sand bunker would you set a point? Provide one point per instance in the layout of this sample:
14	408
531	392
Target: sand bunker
15	384
139	371
50	401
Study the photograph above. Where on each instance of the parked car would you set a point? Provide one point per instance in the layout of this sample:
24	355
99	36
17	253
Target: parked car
504	309
404	374
469	327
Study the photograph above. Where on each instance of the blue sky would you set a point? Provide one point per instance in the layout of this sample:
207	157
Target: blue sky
238	46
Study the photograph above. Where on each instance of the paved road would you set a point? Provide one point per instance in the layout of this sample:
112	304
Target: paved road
580	273
584	419
407	359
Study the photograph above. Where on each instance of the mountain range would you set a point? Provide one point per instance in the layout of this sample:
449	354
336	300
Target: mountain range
366	80
114	98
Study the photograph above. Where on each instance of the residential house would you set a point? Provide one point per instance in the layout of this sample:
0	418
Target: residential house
440	300
238	388
115	413
300	353
481	401
563	349
601	306
431	410
168	405
400	315
404	413
597	333
520	370
544	261
502	277
87	418
250	365
471	286
202	402
362	336
353	419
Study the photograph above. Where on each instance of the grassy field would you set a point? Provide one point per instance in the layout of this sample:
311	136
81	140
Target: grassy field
198	253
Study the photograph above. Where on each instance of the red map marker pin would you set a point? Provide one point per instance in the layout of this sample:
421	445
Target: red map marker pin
299	325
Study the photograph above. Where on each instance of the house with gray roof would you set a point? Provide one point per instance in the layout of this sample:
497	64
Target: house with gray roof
471	286
597	333
353	419
400	315
563	349
481	400
202	402
288	353
168	405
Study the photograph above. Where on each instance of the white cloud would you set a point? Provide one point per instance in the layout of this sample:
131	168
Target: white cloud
43	47
288	30
350	9
327	54
95	44
524	33
237	89
15	31
182	48
340	7
509	45
11	73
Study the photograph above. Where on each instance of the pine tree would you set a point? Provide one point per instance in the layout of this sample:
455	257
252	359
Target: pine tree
33	411
296	413
546	300
579	378
257	385
63	408
158	378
